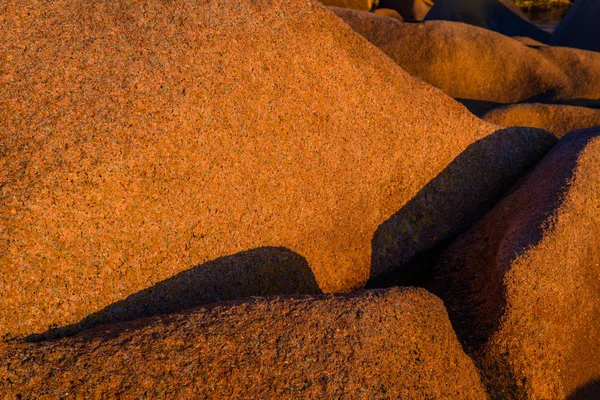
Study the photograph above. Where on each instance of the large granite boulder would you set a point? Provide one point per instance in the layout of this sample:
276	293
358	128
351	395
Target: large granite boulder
200	152
557	119
500	16
579	28
379	344
522	285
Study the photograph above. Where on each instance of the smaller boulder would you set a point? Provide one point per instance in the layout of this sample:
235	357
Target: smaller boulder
410	10
378	344
558	119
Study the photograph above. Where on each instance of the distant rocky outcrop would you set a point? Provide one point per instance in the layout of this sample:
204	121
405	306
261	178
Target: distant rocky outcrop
150	145
388	12
377	344
364	5
579	28
500	16
557	119
521	286
410	10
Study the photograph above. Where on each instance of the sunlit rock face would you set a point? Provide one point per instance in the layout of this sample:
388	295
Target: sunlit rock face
579	28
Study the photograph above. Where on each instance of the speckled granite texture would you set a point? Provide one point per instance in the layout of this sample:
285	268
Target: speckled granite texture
149	140
375	345
472	63
522	285
558	119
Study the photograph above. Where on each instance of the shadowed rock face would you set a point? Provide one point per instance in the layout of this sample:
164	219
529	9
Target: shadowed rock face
378	344
499	16
557	119
521	286
142	140
579	28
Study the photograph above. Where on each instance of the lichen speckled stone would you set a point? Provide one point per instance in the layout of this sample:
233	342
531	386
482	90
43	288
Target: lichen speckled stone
145	139
522	285
378	344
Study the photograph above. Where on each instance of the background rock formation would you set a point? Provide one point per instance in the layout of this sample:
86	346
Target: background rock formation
465	61
482	68
500	16
521	286
410	10
396	343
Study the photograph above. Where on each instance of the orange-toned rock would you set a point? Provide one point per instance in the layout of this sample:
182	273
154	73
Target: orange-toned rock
502	16
410	10
558	119
179	144
583	69
522	285
379	344
579	28
364	5
388	12
465	61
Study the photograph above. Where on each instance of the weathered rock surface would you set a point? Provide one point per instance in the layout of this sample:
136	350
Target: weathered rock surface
557	119
522	285
498	15
379	344
579	28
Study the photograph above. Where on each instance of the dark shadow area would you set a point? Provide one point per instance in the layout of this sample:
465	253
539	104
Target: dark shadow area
262	271
488	14
407	244
416	272
579	28
589	391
